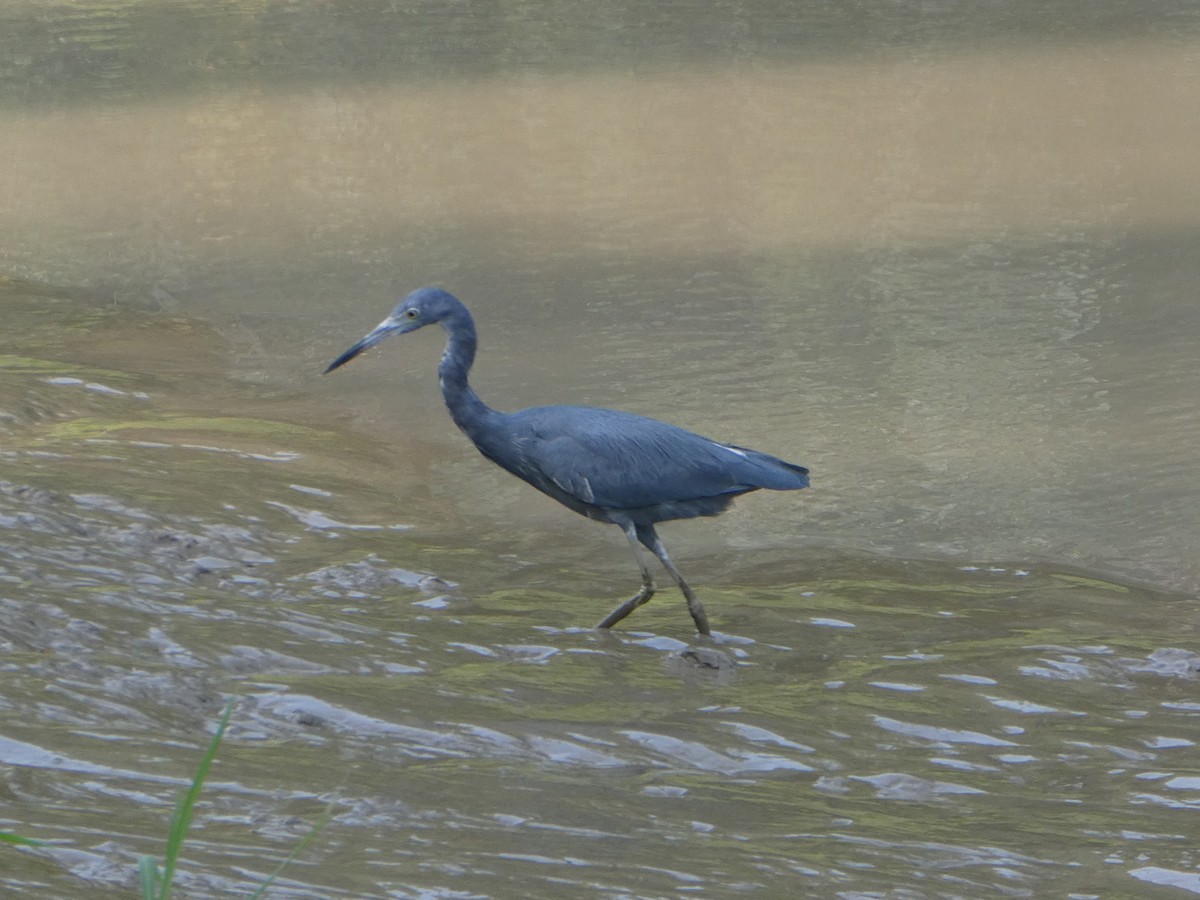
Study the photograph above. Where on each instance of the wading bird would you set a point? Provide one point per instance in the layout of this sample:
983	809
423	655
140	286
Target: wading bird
610	466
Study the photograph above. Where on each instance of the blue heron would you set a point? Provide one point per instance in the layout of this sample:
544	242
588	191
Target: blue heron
610	466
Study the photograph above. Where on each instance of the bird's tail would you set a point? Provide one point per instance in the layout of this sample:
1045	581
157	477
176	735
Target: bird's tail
770	472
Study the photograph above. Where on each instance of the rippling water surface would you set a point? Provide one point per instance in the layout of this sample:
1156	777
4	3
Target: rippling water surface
858	724
946	257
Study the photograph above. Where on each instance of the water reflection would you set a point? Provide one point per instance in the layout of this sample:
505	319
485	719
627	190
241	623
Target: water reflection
913	269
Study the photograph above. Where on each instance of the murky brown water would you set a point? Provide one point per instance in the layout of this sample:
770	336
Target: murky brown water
947	262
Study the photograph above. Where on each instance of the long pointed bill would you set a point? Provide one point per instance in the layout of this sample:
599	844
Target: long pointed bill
377	334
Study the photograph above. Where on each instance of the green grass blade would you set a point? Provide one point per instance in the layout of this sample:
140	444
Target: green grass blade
7	837
299	848
149	874
183	809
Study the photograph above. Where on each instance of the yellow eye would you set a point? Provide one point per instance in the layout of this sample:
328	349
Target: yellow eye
410	314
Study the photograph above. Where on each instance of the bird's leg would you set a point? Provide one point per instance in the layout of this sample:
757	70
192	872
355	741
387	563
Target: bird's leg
641	596
693	602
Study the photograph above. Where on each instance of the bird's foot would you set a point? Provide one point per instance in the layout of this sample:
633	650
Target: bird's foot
628	606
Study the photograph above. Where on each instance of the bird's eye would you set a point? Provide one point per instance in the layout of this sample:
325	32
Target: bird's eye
410	314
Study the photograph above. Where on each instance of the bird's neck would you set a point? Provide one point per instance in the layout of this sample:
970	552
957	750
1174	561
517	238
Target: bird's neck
466	409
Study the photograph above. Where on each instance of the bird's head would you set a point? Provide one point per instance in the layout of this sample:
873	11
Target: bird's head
422	307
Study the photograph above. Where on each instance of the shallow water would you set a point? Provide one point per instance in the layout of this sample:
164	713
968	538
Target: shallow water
859	724
947	261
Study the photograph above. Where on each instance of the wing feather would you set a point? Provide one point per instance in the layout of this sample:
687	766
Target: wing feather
617	460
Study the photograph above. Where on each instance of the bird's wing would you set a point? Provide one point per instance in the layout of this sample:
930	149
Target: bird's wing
622	461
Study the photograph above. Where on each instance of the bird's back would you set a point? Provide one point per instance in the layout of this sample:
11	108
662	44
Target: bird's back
598	460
